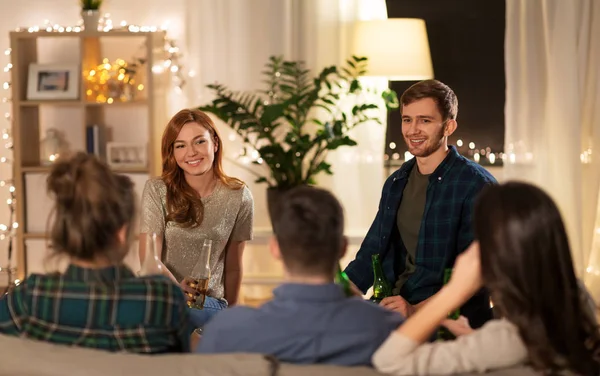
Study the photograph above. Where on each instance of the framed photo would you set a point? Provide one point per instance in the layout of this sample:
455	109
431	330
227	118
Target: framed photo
53	81
127	155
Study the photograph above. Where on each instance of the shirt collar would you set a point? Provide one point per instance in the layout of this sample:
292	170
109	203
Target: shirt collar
306	292
446	164
108	274
439	172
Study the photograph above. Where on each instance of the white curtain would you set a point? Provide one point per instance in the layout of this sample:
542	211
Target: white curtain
553	112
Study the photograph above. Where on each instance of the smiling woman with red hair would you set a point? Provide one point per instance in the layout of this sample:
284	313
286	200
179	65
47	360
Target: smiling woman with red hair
195	200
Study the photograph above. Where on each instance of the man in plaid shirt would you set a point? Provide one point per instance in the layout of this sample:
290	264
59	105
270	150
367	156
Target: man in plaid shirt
105	308
424	216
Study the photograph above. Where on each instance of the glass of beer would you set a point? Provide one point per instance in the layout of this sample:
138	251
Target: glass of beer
200	276
150	260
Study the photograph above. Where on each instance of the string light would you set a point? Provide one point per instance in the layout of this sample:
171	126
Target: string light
172	54
109	82
7	232
483	156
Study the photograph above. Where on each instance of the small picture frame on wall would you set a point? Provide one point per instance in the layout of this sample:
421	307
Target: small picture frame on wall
53	82
126	155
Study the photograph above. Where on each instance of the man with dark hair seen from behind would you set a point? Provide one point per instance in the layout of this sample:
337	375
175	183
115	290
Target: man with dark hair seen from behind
424	216
309	320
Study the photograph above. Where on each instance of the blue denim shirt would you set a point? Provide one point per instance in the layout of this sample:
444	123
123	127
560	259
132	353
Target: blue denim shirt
446	231
304	324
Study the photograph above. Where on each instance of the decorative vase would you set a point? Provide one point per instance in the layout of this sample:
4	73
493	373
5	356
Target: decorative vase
91	18
51	147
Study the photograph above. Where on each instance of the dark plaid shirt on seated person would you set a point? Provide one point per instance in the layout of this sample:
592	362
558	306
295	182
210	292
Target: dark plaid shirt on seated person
446	231
106	308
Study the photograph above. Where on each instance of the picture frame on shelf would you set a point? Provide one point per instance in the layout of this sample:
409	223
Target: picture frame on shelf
53	81
126	155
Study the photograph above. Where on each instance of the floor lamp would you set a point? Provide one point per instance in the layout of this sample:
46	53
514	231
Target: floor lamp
397	49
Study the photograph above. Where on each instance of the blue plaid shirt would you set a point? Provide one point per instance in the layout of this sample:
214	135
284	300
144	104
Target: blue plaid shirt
445	230
107	308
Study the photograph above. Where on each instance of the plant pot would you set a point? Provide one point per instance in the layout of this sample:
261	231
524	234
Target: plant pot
274	197
91	18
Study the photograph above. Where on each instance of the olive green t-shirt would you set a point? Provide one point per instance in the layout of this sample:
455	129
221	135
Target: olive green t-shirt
408	220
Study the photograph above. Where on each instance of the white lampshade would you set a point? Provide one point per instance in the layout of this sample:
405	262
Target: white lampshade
397	48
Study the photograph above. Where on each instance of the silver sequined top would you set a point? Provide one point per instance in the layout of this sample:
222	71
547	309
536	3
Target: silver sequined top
228	215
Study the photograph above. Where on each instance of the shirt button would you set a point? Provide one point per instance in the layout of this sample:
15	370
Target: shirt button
388	208
440	178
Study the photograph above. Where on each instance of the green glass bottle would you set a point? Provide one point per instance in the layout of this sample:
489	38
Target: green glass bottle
341	278
443	333
381	287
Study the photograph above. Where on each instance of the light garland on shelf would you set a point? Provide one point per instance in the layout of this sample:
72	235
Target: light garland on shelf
7	232
109	82
172	60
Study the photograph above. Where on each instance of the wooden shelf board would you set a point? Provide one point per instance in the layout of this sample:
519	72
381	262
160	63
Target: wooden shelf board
45	235
50	103
140	102
27	169
131	170
86	34
121	170
35	235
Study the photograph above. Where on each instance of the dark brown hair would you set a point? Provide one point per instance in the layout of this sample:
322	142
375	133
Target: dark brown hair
184	205
309	227
92	204
526	264
444	97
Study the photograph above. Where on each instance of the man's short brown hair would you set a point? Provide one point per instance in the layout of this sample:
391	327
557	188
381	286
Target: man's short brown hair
444	97
309	228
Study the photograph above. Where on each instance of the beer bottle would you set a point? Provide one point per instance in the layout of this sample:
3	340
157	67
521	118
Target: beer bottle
381	287
342	279
443	333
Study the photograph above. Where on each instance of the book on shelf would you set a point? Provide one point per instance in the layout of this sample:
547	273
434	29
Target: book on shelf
95	136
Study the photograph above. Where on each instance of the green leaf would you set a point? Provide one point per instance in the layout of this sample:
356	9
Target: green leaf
323	167
354	86
271	113
346	141
390	99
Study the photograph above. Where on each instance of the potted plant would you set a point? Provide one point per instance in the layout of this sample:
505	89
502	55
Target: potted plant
90	13
293	123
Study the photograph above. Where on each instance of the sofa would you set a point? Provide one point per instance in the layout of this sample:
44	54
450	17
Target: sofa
22	357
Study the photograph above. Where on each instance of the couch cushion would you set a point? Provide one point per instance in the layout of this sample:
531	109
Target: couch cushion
22	357
298	370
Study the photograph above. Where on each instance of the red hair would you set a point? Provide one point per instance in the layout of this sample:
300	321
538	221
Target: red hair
184	204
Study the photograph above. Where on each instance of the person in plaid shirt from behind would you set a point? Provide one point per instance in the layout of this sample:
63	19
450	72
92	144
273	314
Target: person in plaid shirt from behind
97	302
424	217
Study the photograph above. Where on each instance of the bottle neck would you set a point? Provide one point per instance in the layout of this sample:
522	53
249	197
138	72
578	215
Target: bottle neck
377	269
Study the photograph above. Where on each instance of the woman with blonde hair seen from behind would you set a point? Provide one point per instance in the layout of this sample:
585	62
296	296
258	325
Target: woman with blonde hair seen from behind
97	302
522	257
195	200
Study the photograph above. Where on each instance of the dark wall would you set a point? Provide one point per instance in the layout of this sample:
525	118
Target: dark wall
466	38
